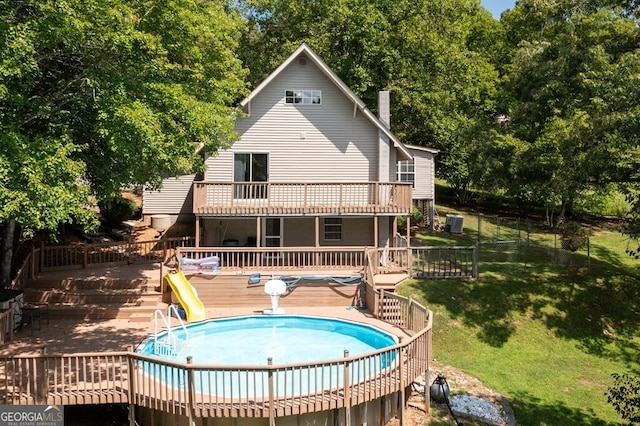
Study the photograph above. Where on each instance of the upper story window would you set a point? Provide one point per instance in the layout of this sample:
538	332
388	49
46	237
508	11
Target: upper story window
406	171
303	97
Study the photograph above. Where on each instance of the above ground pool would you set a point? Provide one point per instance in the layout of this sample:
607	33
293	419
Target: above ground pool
251	340
287	339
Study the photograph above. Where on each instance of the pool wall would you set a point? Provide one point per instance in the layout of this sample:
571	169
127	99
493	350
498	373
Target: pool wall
376	412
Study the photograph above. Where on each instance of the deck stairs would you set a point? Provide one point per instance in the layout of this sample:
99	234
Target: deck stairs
96	298
137	299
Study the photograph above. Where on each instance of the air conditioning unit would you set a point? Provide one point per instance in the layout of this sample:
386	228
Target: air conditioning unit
453	224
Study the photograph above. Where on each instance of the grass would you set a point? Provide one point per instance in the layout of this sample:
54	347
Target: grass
544	327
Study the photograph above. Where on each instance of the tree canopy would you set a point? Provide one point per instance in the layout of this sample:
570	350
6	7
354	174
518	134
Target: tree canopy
542	105
572	85
96	95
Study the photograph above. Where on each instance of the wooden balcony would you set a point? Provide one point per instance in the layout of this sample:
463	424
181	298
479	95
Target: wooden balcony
270	198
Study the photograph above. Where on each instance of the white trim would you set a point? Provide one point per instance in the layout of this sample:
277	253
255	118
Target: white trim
422	148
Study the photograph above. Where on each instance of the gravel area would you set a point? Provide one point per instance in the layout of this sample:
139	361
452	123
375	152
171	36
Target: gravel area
478	408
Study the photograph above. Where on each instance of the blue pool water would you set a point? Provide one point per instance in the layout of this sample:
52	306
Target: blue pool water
287	339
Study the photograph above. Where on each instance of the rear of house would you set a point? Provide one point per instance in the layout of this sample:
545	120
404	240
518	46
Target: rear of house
313	168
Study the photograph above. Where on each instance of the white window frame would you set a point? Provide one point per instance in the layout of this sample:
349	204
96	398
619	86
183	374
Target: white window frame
332	231
406	171
303	97
248	191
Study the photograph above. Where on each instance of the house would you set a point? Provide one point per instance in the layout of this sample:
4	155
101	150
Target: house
420	171
313	167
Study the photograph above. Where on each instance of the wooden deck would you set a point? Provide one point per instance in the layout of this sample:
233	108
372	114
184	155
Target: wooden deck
238	297
298	198
74	362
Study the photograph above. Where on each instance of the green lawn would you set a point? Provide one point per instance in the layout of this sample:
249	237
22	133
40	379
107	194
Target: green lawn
544	327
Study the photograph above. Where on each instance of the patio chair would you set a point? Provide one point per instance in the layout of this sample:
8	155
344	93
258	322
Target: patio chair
33	313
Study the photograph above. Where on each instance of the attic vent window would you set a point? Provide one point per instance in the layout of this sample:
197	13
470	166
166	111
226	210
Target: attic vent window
303	97
302	61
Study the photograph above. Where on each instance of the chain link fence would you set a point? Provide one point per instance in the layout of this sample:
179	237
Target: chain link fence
508	242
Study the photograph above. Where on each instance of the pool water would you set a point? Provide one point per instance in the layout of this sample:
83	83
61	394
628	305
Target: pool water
286	339
225	344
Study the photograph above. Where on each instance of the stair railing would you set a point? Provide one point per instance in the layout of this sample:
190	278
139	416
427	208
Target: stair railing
167	346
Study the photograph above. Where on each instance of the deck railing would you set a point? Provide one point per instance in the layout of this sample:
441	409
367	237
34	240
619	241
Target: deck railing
301	198
427	262
221	391
83	256
88	378
445	262
401	311
278	258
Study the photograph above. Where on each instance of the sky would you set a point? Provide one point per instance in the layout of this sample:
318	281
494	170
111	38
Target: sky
496	7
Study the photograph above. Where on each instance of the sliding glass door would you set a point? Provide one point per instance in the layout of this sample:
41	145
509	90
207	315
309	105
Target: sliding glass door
250	172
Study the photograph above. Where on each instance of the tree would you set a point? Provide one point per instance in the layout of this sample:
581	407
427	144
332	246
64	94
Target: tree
572	59
96	95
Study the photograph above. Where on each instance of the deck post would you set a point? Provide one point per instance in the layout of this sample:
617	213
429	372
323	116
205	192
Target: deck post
131	386
403	379
376	243
347	392
316	256
427	378
197	231
272	415
42	378
192	392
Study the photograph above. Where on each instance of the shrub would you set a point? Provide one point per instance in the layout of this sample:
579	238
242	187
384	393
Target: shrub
574	236
416	217
116	209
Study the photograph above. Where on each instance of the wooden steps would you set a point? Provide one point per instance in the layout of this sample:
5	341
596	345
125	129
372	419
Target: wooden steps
136	299
389	281
95	298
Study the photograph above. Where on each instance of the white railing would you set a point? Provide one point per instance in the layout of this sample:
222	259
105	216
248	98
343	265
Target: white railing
168	345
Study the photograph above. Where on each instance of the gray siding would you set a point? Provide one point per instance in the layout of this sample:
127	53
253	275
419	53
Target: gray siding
311	143
424	186
175	197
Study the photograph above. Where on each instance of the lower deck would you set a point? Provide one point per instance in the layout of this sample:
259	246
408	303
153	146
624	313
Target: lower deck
223	295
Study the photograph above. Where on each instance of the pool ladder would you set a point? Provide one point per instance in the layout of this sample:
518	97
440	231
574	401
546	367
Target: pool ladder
168	345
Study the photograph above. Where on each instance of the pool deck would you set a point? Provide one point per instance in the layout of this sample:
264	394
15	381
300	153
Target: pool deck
87	336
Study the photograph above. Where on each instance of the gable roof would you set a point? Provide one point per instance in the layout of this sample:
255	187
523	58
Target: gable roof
305	50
